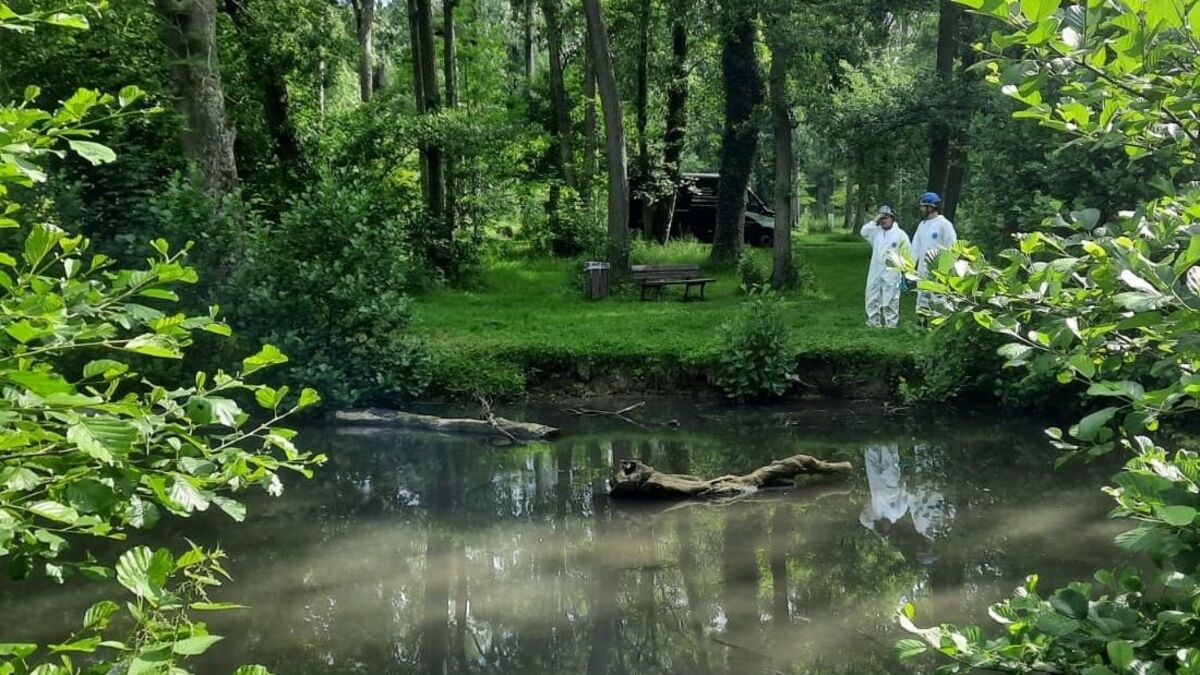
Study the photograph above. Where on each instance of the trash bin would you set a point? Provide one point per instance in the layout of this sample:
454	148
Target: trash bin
595	283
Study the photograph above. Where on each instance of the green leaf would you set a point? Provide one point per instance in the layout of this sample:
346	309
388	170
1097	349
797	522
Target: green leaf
1056	624
107	368
309	398
269	355
95	153
65	20
216	606
41	240
52	510
195	646
909	648
1097	670
20	650
1082	363
214	410
87	645
1089	427
41	383
103	437
144	572
154	345
186	495
1176	516
1120	653
1070	603
1037	10
251	670
23	331
233	508
98	615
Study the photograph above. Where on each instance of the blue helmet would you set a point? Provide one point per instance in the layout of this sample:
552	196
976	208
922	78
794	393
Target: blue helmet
930	199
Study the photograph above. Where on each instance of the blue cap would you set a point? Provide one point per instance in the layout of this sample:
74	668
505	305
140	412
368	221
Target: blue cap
930	199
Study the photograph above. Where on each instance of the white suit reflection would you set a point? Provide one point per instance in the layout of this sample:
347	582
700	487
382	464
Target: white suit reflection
892	498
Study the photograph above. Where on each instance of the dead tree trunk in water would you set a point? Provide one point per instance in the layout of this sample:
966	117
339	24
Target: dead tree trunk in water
635	479
614	135
190	35
739	142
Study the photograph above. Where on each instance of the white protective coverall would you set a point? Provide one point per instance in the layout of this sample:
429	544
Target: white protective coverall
889	494
883	280
932	235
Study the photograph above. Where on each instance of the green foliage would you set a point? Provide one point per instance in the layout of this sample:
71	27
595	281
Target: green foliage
328	285
1114	308
752	270
92	448
756	361
153	631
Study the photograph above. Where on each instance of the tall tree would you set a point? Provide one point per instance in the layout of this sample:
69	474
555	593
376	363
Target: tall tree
450	74
414	40
527	40
590	138
939	133
551	11
190	35
269	77
614	138
431	104
785	165
364	19
739	141
662	213
642	98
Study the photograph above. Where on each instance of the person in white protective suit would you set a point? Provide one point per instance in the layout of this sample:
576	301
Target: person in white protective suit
934	234
891	497
889	494
883	280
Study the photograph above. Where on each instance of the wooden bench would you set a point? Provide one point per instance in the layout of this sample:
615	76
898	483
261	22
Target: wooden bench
659	276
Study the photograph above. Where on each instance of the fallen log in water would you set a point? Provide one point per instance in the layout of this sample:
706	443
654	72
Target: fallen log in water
637	480
376	417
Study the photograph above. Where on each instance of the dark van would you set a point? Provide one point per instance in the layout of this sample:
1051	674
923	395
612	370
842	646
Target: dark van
696	212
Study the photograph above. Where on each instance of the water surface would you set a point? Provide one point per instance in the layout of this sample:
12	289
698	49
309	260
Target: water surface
418	553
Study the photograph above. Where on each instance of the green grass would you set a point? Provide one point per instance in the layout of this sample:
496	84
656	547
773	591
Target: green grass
529	317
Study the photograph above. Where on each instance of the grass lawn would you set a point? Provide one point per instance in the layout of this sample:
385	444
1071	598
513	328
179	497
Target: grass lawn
531	315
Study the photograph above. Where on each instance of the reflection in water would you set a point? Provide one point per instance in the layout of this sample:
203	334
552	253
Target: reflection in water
424	554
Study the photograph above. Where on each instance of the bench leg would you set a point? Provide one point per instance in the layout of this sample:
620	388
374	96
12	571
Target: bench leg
702	290
687	291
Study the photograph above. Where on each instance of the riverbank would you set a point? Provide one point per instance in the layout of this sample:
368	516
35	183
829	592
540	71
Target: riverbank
527	330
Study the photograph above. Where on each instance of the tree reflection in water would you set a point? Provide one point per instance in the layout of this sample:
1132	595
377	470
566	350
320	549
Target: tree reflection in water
418	553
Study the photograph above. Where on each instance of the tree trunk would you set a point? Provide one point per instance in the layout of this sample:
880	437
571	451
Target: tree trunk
414	38
558	92
851	197
635	479
364	17
676	132
739	142
785	169
643	94
450	74
614	135
436	201
590	139
527	44
190	35
947	45
270	81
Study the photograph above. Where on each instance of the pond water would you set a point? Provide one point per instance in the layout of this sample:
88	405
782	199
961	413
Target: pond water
418	553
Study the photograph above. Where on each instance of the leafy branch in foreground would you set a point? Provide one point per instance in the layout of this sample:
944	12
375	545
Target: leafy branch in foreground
90	448
1115	307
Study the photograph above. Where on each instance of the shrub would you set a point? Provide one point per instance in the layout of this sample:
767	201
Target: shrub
752	270
756	362
327	283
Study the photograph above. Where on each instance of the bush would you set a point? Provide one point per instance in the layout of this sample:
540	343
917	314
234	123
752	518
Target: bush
328	283
755	362
752	270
